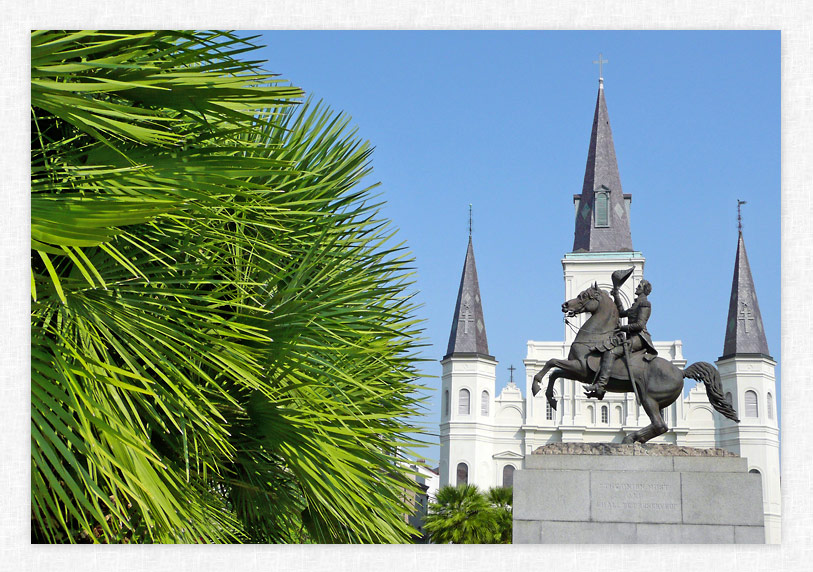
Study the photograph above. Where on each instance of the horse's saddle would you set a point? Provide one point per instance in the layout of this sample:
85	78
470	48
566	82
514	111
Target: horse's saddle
638	361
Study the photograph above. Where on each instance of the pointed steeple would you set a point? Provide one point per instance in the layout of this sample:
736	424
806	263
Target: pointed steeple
602	220
468	335
744	332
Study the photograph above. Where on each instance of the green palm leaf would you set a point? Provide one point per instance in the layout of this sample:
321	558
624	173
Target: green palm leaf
223	342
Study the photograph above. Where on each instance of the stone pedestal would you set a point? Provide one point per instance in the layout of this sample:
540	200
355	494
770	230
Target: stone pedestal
611	493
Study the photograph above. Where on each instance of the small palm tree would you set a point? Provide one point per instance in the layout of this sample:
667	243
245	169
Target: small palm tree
462	515
501	499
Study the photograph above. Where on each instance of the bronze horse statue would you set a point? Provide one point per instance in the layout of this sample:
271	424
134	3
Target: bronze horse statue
658	381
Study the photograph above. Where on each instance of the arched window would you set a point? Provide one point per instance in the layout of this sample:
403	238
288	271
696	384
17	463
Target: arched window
770	406
619	415
446	401
755	472
484	403
462	474
751	405
592	414
549	411
605	414
508	476
463	402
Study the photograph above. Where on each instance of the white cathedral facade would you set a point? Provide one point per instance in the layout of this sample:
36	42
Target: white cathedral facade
484	437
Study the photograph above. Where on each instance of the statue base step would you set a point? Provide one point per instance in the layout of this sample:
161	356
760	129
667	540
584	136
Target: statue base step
604	493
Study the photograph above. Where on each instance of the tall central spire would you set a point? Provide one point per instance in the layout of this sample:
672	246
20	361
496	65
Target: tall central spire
602	220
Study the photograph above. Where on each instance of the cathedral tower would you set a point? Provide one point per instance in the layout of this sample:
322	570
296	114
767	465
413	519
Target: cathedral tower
602	240
602	244
467	389
747	374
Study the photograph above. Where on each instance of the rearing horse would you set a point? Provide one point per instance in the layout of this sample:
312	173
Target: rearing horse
659	382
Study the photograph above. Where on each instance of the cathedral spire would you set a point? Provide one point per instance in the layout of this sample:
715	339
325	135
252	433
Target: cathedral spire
602	220
468	335
744	332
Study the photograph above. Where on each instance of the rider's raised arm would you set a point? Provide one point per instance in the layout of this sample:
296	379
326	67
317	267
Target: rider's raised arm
622	313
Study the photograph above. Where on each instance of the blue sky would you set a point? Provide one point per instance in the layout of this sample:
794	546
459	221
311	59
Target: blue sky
502	120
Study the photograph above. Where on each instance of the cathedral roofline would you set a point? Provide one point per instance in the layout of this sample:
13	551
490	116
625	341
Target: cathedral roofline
467	355
747	355
626	254
602	223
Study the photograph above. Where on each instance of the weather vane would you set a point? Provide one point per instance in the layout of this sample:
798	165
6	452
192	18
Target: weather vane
739	214
469	220
600	62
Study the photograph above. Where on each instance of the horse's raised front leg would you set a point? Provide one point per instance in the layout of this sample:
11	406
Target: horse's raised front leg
568	365
657	427
556	374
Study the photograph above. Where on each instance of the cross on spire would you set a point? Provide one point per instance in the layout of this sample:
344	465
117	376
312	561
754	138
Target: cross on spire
512	369
467	317
739	214
469	220
746	316
600	62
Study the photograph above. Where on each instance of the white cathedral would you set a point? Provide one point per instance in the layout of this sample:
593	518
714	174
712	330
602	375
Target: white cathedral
484	437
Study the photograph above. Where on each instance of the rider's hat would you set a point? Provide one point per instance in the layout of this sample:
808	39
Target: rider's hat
620	276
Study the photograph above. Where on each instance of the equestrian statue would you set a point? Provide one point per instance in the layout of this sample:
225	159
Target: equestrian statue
608	356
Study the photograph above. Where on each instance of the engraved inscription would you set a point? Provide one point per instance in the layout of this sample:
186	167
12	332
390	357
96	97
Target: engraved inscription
635	497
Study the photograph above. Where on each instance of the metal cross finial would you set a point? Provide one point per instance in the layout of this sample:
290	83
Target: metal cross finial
599	62
739	214
469	220
512	369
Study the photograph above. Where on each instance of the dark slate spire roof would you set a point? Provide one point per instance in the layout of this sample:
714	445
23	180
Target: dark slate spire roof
601	173
468	334
744	333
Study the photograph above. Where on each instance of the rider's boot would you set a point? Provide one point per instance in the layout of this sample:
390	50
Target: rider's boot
597	389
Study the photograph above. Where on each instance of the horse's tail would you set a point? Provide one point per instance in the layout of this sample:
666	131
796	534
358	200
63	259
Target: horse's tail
708	374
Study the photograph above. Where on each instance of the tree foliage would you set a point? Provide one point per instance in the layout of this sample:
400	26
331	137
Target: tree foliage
222	335
464	515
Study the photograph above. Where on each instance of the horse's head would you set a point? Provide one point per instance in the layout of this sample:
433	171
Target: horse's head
587	301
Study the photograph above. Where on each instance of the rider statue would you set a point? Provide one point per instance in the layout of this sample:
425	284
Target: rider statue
637	337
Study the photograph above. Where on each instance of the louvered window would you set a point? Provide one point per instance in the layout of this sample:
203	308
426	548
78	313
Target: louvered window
463	400
484	404
602	208
751	405
770	406
446	401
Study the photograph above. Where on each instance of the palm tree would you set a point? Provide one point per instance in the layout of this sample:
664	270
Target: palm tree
462	515
222	334
501	499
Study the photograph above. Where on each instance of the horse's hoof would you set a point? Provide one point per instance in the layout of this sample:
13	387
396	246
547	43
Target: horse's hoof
535	388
